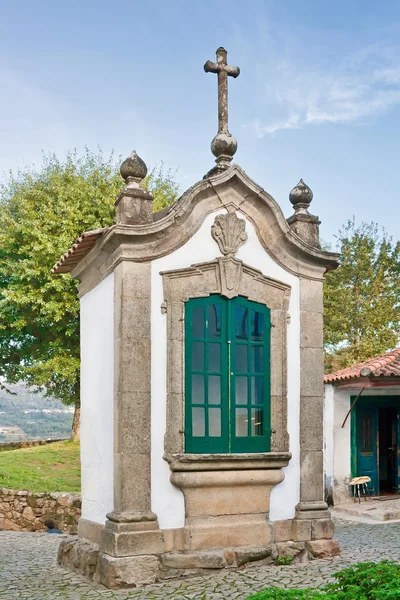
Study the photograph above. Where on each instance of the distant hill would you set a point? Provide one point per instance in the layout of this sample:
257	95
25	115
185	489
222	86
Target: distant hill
30	416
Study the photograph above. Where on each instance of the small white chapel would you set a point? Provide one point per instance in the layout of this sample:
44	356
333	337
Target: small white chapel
201	377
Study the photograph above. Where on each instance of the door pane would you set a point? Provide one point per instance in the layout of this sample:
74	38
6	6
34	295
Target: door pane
241	390
198	356
214	422
242	422
241	358
366	436
214	321
257	390
241	319
257	324
214	389
367	446
198	422
198	322
198	389
257	359
214	357
257	421
226	376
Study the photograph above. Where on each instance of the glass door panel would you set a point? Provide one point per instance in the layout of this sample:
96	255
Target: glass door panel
249	376
227	363
206	376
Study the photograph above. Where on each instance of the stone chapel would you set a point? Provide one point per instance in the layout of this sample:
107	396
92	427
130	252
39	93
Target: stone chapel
201	377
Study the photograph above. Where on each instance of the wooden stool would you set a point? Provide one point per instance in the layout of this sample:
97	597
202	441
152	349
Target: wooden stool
360	487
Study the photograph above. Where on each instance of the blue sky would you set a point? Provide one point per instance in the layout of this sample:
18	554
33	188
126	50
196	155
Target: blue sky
318	96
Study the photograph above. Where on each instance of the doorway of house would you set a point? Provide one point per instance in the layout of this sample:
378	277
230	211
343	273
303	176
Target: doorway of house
387	440
376	443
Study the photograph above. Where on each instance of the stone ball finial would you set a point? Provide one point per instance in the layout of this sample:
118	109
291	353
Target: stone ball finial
301	194
133	168
224	144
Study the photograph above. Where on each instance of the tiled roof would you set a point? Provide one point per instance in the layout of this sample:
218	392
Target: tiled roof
386	365
78	251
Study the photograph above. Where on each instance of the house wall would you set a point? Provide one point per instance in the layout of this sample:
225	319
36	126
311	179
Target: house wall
167	501
97	400
337	444
328	441
337	440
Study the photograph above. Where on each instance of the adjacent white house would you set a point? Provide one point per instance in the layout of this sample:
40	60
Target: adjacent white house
362	427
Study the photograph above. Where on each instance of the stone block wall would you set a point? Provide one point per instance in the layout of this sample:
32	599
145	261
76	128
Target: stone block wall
27	511
27	444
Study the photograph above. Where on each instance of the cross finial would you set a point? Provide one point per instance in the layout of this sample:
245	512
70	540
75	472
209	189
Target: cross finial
224	144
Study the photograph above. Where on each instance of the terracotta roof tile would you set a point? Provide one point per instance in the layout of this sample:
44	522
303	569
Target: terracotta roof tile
386	365
78	251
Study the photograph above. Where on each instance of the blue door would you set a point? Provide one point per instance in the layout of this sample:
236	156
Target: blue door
396	453
367	446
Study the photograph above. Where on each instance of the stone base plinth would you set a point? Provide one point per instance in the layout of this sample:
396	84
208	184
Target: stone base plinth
135	571
220	532
131	539
313	521
79	555
129	571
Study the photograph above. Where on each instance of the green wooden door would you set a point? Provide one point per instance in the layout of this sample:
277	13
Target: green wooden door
367	446
206	386
227	376
396	475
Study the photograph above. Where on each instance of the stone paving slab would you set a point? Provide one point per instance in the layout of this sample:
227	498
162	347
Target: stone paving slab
28	569
376	510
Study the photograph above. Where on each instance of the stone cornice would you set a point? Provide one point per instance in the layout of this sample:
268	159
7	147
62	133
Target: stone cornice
227	462
231	190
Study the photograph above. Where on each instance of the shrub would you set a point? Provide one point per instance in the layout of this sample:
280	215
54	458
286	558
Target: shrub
367	581
364	581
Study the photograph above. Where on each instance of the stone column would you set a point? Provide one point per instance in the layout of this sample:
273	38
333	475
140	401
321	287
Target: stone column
131	539
313	521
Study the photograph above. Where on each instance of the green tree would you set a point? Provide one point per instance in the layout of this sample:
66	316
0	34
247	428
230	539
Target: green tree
41	214
362	297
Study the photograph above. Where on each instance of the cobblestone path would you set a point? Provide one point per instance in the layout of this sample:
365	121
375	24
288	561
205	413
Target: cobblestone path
28	569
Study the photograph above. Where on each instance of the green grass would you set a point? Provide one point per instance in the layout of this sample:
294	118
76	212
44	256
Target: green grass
50	468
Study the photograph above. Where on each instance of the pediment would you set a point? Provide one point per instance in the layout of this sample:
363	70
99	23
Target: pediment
231	191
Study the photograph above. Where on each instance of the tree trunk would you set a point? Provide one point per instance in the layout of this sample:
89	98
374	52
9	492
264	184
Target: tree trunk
76	423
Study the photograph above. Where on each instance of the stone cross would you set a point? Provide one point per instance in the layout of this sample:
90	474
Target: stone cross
223	70
224	145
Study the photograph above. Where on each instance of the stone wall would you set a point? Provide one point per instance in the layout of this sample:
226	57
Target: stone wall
27	444
27	511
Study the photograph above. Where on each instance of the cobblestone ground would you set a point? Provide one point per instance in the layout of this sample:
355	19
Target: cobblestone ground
28	569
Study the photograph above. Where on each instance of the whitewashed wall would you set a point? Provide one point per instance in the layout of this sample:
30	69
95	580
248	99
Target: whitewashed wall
329	415
167	501
97	400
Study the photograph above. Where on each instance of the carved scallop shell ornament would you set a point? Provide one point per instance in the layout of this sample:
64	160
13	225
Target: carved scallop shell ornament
229	233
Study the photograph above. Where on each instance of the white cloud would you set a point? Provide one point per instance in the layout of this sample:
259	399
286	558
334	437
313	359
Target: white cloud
363	85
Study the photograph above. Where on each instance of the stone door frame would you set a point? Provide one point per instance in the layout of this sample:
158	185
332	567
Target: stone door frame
228	277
